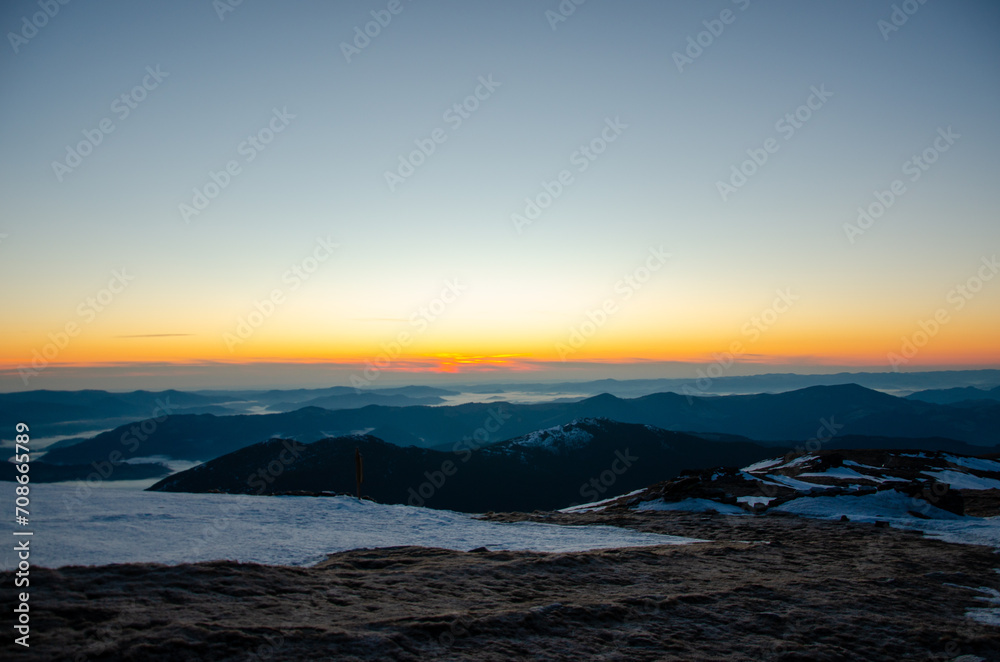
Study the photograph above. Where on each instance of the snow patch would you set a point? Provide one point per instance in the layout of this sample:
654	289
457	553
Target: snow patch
847	472
556	438
779	463
763	464
758	479
692	505
754	500
800	485
835	472
799	460
987	615
959	480
598	505
882	505
975	463
109	526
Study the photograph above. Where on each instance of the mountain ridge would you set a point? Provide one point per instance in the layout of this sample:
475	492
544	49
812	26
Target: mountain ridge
541	470
797	416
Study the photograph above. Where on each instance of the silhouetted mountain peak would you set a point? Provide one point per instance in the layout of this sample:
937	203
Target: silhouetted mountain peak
545	469
602	399
361	440
839	393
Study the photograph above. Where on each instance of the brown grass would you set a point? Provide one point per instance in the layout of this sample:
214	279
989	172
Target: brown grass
769	588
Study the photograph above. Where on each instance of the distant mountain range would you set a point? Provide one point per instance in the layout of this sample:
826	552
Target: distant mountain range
579	462
44	472
896	382
819	414
356	400
553	468
52	413
948	396
68	413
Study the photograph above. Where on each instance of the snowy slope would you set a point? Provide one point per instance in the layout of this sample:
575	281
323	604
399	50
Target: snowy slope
123	526
896	509
952	497
555	439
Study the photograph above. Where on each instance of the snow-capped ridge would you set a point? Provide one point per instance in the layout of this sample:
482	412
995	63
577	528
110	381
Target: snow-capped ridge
560	437
947	495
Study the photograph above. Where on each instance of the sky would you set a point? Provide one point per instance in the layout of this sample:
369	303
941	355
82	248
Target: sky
219	193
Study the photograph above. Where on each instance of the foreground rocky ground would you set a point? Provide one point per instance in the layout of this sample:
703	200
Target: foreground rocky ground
769	587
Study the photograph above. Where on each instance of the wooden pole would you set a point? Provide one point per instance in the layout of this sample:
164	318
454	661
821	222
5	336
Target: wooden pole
359	469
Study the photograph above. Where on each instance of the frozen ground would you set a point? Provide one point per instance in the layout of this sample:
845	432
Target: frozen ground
692	505
896	509
75	527
773	587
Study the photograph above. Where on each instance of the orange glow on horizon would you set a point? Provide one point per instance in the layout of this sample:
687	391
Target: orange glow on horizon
455	363
458	364
970	342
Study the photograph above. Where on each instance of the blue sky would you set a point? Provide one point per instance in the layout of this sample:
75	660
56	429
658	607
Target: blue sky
655	186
